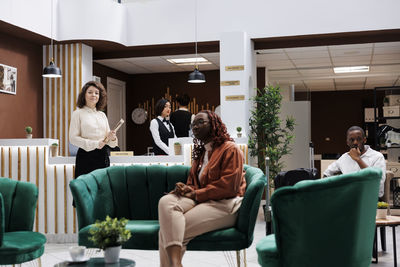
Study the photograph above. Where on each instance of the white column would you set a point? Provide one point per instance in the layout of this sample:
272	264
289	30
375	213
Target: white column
237	52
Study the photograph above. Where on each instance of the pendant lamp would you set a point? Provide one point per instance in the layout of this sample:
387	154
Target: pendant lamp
196	76
51	71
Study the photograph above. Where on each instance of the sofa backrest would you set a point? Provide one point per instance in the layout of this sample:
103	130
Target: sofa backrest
132	192
19	204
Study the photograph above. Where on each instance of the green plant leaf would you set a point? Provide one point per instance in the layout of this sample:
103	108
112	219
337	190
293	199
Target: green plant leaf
269	136
109	233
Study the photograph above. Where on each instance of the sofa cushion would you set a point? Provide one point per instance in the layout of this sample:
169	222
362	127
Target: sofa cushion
21	246
222	239
144	235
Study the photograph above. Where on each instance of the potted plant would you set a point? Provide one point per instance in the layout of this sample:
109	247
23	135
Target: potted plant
386	101
28	130
54	149
178	148
382	209
268	135
109	236
239	129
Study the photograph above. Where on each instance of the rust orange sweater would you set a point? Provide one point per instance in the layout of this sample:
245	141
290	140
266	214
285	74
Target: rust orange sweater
223	177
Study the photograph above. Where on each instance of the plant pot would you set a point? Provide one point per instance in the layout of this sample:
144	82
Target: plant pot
178	149
381	213
239	135
54	151
28	135
111	254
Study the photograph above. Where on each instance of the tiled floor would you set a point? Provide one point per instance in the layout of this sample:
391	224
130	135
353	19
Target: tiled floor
55	253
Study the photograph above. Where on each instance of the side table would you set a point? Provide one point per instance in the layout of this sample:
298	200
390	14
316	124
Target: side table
392	221
97	262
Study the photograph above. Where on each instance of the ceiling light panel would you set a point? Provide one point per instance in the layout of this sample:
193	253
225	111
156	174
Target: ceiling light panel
351	69
189	61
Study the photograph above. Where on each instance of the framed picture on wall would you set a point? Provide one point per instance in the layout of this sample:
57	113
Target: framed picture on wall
8	79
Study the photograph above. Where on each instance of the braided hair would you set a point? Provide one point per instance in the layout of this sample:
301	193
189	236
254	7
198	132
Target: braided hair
218	133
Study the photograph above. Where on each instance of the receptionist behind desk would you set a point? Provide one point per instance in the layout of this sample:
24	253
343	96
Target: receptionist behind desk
161	129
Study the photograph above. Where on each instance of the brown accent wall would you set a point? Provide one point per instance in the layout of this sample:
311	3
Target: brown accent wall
103	72
26	107
332	113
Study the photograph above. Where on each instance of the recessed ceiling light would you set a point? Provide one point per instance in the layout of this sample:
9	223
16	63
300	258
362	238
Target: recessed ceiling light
189	61
351	69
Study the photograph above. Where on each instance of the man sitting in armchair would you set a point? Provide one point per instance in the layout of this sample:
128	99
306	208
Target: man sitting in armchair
358	157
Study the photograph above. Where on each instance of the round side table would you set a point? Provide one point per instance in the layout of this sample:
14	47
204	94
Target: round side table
97	262
392	221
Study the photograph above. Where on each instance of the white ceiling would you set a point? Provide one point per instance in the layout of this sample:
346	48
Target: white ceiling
309	68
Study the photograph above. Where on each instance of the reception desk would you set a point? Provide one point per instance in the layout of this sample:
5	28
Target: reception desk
29	160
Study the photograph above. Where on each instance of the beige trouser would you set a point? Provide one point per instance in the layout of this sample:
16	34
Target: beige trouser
181	220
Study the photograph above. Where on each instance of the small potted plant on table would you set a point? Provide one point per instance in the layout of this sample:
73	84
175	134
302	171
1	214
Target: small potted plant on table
382	209
54	149
109	236
28	130
178	148
239	130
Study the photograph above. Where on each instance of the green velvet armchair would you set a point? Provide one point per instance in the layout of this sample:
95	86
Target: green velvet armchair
326	222
18	243
133	192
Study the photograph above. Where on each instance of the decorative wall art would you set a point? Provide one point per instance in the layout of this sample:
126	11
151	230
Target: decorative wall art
8	79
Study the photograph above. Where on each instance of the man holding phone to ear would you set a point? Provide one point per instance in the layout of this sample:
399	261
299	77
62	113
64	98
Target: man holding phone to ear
358	157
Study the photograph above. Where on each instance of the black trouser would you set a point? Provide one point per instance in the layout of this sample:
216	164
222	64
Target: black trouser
87	162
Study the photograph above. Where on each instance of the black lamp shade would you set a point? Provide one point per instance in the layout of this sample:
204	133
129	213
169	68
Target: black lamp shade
196	77
51	71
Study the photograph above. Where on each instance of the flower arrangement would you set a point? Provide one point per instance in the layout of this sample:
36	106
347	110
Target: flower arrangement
109	233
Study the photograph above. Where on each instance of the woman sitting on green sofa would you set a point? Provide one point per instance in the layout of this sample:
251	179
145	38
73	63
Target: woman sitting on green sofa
212	195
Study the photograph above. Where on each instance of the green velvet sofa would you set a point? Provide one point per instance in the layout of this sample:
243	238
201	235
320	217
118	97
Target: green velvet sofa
18	243
133	192
328	222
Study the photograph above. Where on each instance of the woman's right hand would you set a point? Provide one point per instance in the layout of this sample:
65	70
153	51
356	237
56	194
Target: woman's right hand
101	144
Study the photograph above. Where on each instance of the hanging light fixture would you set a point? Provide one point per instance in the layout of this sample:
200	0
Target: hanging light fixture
51	71
196	76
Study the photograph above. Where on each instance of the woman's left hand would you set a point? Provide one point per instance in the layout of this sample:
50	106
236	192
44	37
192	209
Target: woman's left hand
112	135
191	194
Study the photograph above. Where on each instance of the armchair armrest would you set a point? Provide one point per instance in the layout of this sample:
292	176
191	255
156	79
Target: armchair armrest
92	196
83	202
250	204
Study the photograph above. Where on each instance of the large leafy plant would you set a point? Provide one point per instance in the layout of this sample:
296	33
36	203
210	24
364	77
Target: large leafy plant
109	233
268	135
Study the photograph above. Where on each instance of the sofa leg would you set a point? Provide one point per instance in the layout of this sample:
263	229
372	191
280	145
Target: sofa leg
238	258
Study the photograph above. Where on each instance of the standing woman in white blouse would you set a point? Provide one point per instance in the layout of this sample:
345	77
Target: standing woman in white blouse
89	130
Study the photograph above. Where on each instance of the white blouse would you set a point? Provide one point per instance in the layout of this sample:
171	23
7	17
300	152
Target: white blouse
156	133
88	127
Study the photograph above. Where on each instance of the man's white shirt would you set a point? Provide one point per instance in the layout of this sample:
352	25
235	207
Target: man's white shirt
345	164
